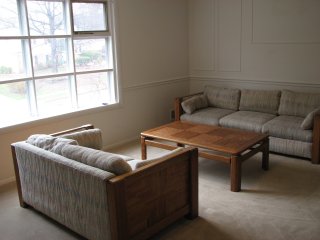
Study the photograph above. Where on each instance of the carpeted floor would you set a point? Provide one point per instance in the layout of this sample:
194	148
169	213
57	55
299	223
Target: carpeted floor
282	203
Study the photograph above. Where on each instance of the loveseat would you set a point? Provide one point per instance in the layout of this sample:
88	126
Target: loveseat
292	119
101	195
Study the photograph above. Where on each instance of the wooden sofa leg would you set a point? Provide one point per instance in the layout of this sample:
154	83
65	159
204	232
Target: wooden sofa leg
194	209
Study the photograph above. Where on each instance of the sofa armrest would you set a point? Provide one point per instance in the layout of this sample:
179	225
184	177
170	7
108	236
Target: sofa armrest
150	198
177	104
316	140
72	130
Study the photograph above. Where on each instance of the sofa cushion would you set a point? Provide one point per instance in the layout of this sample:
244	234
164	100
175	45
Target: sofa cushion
194	103
227	98
49	143
208	115
91	138
307	123
291	147
103	160
287	127
297	103
246	120
260	101
137	163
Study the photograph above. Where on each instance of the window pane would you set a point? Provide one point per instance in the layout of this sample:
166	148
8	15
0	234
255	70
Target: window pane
89	17
95	89
14	107
91	54
46	17
50	56
53	96
9	18
12	64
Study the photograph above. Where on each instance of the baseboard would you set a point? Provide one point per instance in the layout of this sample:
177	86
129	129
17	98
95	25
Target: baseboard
7	180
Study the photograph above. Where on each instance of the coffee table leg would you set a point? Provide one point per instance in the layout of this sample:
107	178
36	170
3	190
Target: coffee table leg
143	148
235	174
265	155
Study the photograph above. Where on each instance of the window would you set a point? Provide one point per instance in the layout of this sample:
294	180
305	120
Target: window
57	56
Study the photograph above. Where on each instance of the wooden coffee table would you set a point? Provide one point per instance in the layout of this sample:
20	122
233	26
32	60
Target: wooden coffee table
231	146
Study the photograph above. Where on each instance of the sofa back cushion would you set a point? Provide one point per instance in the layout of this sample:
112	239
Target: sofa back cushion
260	101
49	143
103	160
297	103
91	138
227	98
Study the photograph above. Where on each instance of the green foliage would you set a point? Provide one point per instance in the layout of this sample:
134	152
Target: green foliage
81	60
88	57
5	70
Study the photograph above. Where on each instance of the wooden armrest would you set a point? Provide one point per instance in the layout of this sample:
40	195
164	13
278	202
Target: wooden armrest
316	140
150	198
76	129
177	104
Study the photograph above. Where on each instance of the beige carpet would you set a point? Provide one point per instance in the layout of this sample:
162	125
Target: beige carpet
282	203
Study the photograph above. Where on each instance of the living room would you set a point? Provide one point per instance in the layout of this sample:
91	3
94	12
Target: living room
168	49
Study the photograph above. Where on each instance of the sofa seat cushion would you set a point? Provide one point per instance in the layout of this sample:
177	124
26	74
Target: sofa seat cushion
103	160
246	120
227	98
260	101
288	127
208	115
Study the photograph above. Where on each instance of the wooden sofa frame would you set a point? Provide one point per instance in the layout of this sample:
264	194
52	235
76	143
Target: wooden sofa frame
315	156
146	200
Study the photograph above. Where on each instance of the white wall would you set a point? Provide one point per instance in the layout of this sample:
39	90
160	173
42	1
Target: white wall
255	44
153	50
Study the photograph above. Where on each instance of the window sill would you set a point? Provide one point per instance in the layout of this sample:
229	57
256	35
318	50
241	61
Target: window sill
53	119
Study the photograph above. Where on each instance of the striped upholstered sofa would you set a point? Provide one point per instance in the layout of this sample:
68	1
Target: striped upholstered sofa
101	195
292	119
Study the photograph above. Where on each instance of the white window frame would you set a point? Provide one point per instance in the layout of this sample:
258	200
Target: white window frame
71	35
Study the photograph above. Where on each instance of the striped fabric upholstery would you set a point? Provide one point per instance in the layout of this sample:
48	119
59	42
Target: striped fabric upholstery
290	147
246	120
47	142
70	192
103	160
91	138
208	115
287	127
194	103
308	121
260	101
227	98
297	103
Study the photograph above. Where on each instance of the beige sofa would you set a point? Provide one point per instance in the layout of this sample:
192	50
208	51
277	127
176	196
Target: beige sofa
102	195
290	118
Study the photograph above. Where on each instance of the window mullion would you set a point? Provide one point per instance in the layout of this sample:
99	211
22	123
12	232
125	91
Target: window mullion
31	89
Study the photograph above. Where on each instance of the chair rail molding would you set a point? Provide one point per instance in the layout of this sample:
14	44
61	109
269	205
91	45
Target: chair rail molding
196	82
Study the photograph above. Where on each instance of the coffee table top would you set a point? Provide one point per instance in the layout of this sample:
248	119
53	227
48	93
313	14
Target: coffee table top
227	140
